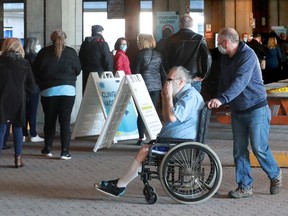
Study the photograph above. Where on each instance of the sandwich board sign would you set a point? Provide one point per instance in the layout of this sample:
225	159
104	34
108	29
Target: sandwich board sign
96	104
130	86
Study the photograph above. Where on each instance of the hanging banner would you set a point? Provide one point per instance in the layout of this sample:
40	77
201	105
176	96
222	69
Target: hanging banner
115	9
167	23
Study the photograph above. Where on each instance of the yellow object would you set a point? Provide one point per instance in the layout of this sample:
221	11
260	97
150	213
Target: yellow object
281	158
281	89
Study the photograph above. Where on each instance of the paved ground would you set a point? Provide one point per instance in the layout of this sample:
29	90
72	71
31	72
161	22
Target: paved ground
56	187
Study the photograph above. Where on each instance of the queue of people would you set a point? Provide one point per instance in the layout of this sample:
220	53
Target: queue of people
188	60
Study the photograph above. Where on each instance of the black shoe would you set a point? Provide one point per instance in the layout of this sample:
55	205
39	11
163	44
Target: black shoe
110	188
46	153
140	142
65	156
5	146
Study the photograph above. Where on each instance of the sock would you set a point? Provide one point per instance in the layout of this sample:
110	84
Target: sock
131	174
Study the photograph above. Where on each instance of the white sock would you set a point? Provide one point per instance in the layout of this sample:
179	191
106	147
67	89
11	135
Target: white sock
131	174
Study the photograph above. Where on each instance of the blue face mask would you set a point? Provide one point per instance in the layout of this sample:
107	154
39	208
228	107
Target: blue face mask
123	47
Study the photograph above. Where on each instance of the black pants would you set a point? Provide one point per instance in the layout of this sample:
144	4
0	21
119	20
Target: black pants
141	126
57	107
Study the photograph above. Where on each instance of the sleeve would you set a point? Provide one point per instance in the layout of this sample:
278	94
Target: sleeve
137	65
118	60
206	60
108	57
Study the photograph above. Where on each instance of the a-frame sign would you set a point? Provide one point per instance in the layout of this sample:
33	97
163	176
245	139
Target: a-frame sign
131	85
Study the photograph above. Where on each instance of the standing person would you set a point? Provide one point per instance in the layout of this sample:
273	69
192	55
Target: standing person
31	48
121	60
149	65
56	69
245	37
189	49
273	60
181	107
95	55
16	84
241	85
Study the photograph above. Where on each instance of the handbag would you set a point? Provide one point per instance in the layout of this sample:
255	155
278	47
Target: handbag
263	64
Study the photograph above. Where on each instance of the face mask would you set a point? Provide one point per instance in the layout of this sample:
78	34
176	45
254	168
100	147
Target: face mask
123	47
222	50
37	48
245	39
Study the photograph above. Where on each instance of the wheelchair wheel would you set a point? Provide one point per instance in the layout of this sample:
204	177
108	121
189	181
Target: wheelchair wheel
152	197
190	173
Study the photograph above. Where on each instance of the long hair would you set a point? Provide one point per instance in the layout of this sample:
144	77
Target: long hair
58	38
12	45
146	41
118	43
272	42
30	45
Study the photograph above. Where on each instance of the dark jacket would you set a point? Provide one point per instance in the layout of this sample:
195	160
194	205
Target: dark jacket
149	65
95	56
16	84
258	48
50	71
189	49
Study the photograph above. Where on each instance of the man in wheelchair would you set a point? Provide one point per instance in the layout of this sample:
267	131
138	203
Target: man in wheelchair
181	105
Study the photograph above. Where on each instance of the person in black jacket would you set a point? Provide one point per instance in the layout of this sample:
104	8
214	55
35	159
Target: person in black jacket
149	65
95	55
56	68
189	49
16	85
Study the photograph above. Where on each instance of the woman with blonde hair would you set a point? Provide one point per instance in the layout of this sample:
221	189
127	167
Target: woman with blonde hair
56	68
273	61
16	85
149	65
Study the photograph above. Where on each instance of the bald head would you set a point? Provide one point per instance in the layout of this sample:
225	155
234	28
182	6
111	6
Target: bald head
229	34
186	21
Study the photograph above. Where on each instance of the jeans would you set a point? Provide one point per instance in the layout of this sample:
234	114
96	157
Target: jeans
17	136
31	113
253	126
57	107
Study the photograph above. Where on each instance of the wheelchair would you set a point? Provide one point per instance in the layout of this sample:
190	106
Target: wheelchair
189	171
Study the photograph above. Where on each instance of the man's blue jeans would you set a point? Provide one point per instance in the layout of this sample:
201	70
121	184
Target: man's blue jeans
253	126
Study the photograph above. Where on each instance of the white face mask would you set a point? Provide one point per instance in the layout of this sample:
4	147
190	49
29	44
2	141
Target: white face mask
37	48
245	39
222	50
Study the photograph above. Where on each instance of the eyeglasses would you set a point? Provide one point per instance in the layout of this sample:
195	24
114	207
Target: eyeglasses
170	79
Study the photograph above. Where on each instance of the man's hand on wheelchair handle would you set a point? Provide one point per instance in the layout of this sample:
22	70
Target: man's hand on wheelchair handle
214	103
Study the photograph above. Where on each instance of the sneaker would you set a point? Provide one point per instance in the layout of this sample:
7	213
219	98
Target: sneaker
110	188
276	184
140	142
36	139
241	193
46	153
65	156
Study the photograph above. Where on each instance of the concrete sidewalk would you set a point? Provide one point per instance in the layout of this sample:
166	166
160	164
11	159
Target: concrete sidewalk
49	186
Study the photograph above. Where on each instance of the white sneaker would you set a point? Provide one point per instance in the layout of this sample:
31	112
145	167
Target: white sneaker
36	139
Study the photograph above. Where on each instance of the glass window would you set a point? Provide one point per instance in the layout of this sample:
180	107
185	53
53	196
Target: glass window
13	22
197	13
95	13
146	17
